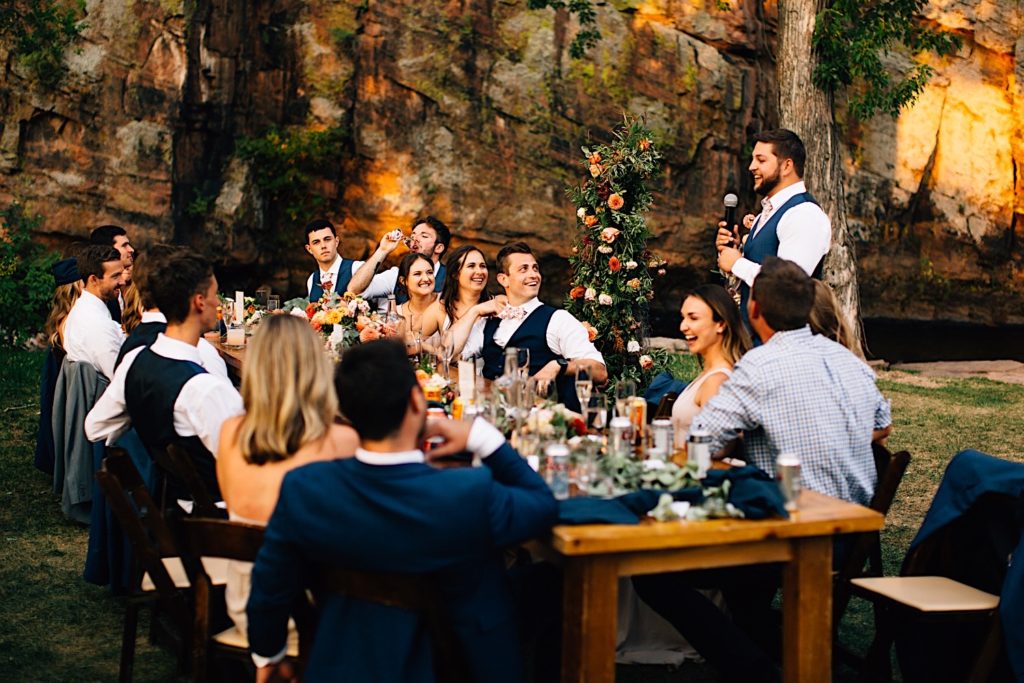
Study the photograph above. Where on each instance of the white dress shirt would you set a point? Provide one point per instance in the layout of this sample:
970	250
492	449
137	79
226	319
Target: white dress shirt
804	231
91	335
205	401
211	359
566	335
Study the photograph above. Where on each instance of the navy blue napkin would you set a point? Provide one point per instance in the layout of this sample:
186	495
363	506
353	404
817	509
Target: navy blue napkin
753	491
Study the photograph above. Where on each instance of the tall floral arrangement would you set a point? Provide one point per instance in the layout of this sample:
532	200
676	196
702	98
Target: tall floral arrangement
613	271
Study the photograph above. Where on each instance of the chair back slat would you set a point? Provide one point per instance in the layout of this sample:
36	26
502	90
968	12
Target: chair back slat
222	538
177	463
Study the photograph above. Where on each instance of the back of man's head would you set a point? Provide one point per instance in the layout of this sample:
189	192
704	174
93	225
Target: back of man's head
319	224
787	145
784	294
374	381
140	275
91	258
105	234
508	250
173	275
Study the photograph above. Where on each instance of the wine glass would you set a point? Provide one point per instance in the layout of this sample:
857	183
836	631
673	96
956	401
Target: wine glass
523	360
598	420
447	352
625	390
583	388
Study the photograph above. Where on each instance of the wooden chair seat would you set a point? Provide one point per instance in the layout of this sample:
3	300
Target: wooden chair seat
929	593
216	567
232	637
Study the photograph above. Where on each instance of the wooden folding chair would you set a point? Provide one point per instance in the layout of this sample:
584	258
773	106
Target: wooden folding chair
864	557
413	592
223	539
166	577
923	595
183	469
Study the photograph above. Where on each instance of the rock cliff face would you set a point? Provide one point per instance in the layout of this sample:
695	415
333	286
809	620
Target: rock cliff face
473	110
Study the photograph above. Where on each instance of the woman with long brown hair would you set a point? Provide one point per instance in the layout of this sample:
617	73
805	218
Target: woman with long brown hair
714	332
290	420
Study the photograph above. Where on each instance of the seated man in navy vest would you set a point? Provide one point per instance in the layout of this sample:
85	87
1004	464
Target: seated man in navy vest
388	510
791	225
164	390
154	322
559	344
429	236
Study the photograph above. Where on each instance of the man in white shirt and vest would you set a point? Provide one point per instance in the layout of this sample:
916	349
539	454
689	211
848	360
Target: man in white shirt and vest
164	390
90	334
559	344
791	225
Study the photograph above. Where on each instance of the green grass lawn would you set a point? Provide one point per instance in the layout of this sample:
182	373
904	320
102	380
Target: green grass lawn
56	627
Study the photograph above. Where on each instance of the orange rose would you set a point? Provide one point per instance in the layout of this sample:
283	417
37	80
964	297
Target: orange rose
614	264
590	221
310	310
361	322
368	334
644	144
577	292
591	331
594	158
615	202
595	170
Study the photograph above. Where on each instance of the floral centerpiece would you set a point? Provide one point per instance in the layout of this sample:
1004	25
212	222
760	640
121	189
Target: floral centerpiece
613	271
342	320
554	422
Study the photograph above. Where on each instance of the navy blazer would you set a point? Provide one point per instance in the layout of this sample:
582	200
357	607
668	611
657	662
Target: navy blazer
409	518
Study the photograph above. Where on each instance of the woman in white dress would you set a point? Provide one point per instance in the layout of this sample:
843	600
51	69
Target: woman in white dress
416	280
714	332
290	420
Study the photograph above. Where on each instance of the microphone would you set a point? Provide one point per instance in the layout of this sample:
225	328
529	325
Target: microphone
730	201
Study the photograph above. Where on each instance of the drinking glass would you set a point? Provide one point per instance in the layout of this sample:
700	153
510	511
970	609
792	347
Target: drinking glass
523	361
273	302
542	392
584	465
447	352
584	386
598	419
624	391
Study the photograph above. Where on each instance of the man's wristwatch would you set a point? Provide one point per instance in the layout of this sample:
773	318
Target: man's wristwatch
563	366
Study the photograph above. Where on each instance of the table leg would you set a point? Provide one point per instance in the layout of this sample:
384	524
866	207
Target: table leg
807	612
589	620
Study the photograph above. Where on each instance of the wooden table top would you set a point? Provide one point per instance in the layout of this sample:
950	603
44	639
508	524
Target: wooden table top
819	515
232	357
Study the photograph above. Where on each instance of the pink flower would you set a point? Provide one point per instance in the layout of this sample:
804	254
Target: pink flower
610	235
368	334
646	362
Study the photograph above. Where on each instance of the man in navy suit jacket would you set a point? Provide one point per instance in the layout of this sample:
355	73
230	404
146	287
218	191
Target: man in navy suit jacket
388	510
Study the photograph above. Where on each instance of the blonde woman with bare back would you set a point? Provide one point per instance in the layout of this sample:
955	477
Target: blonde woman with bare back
290	420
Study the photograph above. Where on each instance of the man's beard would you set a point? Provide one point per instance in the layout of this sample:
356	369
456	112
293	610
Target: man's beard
768	183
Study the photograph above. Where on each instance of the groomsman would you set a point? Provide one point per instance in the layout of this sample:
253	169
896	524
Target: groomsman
164	390
90	334
429	236
559	344
115	236
791	225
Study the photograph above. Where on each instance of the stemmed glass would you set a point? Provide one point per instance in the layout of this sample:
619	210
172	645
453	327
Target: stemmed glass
583	388
447	352
523	361
625	390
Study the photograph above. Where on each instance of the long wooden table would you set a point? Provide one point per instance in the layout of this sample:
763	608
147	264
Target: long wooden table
595	556
233	358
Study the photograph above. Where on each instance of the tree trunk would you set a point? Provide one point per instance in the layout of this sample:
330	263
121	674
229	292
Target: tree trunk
808	112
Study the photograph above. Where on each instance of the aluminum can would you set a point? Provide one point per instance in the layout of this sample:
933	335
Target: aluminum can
787	473
557	470
620	436
698	450
663	440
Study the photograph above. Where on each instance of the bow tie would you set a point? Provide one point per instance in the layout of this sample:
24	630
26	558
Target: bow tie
512	313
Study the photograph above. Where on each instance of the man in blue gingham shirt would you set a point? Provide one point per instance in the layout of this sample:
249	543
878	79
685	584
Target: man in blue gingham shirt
800	393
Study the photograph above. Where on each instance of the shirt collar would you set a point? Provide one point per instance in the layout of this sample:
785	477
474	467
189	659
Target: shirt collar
397	458
785	194
89	299
175	349
153	317
788	336
530	306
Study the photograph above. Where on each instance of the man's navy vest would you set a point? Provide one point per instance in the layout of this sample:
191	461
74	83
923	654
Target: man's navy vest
341	286
144	334
765	243
151	389
403	295
532	335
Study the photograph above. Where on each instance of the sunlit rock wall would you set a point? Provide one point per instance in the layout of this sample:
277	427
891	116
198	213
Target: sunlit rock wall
474	111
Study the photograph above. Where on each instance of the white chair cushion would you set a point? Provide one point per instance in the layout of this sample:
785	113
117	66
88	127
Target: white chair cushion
930	593
216	568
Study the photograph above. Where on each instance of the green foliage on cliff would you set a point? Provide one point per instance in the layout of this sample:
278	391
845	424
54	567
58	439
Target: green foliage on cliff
26	285
852	37
286	164
38	31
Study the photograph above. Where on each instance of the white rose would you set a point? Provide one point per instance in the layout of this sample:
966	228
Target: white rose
337	337
605	299
590	294
581	212
298	313
633	346
630	265
604	249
